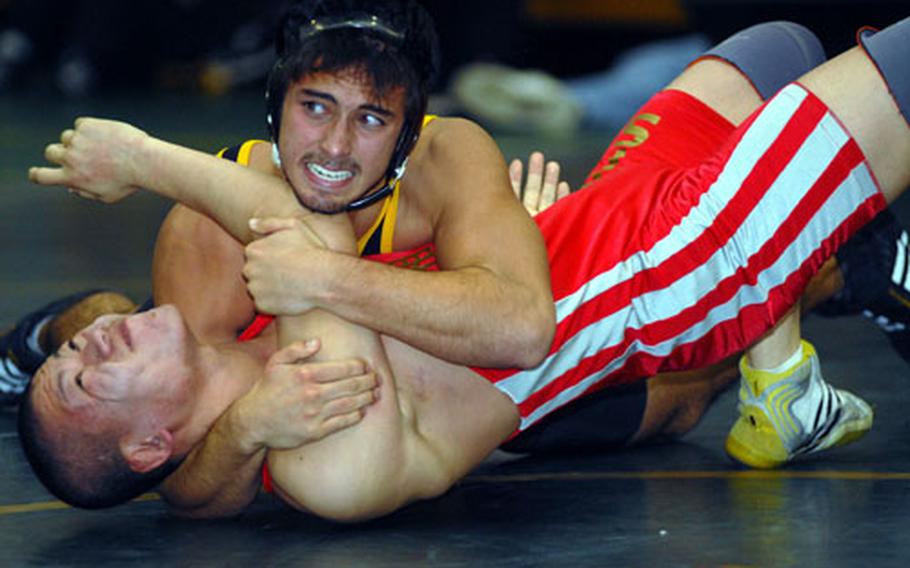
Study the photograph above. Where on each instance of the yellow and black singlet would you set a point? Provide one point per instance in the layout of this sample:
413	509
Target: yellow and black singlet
376	244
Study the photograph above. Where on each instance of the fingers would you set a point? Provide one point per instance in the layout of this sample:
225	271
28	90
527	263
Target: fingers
269	225
55	153
516	170
48	176
66	137
350	386
532	189
542	188
550	181
341	421
294	353
83	194
349	403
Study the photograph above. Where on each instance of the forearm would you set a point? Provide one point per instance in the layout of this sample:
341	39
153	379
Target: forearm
227	192
220	477
468	316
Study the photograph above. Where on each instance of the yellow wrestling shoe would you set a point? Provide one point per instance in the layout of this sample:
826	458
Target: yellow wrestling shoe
793	413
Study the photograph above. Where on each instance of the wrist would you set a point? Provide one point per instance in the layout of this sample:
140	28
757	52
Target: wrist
335	271
146	154
237	425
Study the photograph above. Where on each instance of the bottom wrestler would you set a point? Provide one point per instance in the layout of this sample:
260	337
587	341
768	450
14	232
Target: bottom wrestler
733	236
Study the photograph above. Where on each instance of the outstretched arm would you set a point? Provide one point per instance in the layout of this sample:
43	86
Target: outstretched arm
490	305
109	160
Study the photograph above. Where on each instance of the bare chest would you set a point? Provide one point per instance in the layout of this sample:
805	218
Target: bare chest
449	400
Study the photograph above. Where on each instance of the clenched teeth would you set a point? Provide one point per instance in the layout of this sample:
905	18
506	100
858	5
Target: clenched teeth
332	176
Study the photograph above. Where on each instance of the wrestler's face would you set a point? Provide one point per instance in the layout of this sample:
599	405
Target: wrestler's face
337	138
119	370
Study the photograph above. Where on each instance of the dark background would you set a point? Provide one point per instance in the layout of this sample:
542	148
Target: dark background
679	505
165	43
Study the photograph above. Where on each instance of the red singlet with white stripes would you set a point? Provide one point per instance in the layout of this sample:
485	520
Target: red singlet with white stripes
689	240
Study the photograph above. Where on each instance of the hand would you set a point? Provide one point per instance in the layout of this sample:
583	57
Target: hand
96	160
542	189
283	266
298	402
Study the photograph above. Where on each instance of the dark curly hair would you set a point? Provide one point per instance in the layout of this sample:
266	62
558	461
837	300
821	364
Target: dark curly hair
390	43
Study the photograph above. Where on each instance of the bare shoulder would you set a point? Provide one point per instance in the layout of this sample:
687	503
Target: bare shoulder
445	139
261	157
457	155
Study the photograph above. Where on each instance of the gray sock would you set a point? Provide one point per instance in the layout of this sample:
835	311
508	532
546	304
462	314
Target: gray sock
771	54
889	50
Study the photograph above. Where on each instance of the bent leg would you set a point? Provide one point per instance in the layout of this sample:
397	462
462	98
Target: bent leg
851	86
677	401
725	78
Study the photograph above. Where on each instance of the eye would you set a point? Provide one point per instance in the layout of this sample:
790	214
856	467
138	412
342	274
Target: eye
72	345
372	121
314	108
79	381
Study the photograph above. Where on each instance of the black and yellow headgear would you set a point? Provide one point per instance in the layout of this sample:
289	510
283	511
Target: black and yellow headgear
393	42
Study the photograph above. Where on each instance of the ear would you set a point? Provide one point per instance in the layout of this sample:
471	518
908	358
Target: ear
145	455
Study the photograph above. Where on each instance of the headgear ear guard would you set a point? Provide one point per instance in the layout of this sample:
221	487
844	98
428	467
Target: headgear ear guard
288	42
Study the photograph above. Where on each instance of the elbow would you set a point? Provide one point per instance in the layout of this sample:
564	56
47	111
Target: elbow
533	341
203	511
203	514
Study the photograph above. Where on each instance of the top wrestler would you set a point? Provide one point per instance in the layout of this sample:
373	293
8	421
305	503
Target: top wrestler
346	150
745	216
488	304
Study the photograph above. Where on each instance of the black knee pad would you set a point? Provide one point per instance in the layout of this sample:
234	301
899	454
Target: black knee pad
888	49
600	421
868	262
771	54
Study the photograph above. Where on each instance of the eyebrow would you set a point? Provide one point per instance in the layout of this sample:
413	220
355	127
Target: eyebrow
378	109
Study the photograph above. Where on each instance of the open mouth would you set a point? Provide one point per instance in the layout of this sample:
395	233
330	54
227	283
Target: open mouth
327	175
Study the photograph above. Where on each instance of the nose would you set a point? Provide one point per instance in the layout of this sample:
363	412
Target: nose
337	140
97	347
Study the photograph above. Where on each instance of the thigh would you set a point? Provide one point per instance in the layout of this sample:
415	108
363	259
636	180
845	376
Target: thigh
720	86
851	86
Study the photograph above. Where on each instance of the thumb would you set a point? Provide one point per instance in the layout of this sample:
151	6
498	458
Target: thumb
294	353
268	225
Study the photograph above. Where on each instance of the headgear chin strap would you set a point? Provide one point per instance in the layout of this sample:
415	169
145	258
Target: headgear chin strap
410	130
371	198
